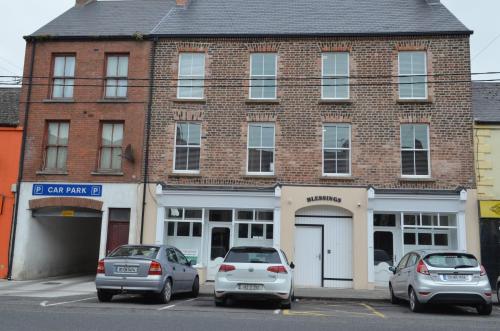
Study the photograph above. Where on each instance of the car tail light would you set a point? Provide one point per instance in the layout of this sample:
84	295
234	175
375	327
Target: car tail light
488	294
483	271
422	268
100	267
226	268
155	268
279	269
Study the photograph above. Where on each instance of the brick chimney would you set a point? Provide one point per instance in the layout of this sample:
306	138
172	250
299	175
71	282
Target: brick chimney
81	3
182	3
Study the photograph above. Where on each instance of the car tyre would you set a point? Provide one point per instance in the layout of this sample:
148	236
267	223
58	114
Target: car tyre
166	294
394	299
484	309
415	305
195	290
498	292
104	296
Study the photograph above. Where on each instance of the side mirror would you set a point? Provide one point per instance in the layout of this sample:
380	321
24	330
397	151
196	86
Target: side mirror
292	266
392	269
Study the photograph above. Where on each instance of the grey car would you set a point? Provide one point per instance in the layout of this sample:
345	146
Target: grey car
441	277
498	289
155	270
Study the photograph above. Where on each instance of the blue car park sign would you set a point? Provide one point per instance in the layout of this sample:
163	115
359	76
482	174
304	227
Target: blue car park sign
67	190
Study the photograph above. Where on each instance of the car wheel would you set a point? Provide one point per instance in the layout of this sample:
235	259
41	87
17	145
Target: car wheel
166	294
287	304
195	290
484	309
104	296
498	292
415	305
394	299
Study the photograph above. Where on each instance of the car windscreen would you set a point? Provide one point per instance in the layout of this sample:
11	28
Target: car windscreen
132	251
253	255
451	260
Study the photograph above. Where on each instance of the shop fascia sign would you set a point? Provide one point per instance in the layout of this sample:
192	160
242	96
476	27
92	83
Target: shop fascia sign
324	198
490	209
67	190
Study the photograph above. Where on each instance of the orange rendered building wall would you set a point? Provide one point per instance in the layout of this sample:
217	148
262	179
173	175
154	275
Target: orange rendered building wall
10	148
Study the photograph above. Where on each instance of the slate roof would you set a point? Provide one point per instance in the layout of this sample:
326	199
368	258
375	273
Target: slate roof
9	106
486	102
254	17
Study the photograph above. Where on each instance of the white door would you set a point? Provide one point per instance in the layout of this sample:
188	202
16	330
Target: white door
308	256
219	244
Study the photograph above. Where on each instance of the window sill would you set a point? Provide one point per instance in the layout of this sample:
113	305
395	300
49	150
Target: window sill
416	179
113	100
106	173
333	177
262	101
184	174
335	101
62	100
413	101
255	176
52	172
188	100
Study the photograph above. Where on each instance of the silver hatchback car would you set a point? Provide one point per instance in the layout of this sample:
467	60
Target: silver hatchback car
156	270
441	277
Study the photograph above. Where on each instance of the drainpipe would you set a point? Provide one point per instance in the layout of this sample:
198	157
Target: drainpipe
21	162
148	134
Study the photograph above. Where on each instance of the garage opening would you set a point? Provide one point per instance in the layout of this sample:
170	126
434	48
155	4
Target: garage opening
63	241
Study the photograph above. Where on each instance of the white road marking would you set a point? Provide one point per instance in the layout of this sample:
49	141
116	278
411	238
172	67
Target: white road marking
277	311
47	304
171	306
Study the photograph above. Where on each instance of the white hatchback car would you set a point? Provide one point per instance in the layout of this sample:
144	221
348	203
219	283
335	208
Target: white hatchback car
255	273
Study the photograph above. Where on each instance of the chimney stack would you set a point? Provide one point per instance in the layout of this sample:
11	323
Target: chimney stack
182	3
81	3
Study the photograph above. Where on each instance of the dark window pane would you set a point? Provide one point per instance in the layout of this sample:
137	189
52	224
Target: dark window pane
220	215
194	158
426	220
253	255
181	158
424	239
245	215
410	219
421	163
343	166
330	154
242	230
407	161
443	220
119	214
384	220
196	229
257	230
182	134
183	229
269	231
267	160
383	247
440	239
330	166
410	239
421	137
171	228
265	215
193	214
220	242
254	160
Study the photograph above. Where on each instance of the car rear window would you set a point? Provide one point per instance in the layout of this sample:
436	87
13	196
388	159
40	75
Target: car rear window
129	251
451	260
253	255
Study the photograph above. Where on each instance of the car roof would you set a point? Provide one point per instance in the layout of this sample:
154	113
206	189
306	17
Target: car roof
426	252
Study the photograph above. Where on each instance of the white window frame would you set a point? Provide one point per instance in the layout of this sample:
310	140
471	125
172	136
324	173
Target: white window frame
431	229
64	78
414	150
425	77
264	76
112	147
57	146
327	174
117	78
187	146
325	77
254	220
260	173
192	77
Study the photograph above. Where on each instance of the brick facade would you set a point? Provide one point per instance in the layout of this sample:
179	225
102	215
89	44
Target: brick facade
299	113
87	110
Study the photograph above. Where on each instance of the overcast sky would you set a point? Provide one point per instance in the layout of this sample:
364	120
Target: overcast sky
22	17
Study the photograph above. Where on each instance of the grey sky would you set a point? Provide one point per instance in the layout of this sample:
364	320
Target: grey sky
21	17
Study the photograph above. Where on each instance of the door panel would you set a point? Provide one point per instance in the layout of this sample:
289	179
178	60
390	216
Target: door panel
383	256
308	256
117	235
219	246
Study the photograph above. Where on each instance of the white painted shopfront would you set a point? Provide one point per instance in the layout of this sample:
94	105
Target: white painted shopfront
204	224
403	221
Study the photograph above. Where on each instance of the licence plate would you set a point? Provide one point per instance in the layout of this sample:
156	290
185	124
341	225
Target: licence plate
250	287
126	270
456	277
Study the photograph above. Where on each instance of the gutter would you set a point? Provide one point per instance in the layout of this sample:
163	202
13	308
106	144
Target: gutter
21	163
148	134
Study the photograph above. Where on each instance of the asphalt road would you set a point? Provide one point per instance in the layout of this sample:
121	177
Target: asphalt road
135	313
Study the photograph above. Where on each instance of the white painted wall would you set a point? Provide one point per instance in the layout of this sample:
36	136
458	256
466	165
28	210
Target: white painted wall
43	247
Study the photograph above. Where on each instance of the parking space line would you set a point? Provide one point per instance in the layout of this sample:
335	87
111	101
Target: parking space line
172	306
166	307
287	312
47	304
373	310
277	311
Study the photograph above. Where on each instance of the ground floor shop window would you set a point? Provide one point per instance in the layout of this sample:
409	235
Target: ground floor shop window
429	231
184	229
254	227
